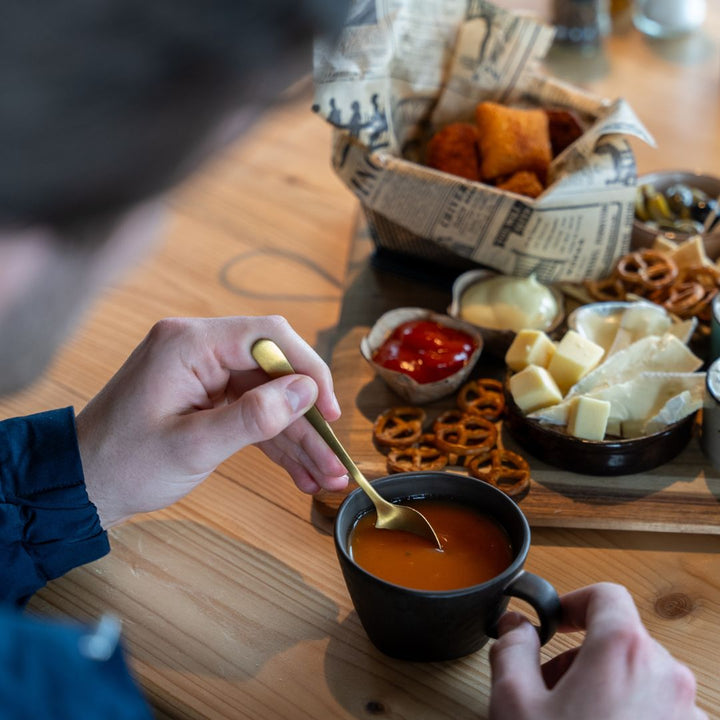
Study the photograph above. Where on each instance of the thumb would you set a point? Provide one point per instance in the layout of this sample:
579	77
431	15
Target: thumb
265	411
257	415
515	659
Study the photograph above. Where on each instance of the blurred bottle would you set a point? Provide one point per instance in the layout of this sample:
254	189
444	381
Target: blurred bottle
581	23
668	18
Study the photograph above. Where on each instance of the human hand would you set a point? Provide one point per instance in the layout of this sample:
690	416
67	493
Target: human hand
189	397
618	673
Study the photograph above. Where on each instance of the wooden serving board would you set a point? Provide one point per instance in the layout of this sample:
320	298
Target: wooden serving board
680	496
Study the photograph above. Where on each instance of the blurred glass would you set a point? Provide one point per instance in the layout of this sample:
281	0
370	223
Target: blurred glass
668	18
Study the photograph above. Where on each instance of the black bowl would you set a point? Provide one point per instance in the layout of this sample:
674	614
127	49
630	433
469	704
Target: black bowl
624	456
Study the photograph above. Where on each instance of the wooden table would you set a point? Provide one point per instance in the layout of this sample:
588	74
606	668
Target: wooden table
232	601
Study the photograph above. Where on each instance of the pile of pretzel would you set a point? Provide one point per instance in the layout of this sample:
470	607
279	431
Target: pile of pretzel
466	436
652	274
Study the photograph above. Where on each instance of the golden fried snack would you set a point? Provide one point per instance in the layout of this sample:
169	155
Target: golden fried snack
484	397
464	435
512	139
422	455
523	182
454	149
399	426
564	127
504	469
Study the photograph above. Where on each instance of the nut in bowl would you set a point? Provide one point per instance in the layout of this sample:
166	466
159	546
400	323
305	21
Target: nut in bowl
422	355
500	305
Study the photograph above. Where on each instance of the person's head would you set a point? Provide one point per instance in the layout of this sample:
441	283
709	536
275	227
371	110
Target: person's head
106	104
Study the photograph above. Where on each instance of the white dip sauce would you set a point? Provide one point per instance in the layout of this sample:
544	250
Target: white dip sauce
509	303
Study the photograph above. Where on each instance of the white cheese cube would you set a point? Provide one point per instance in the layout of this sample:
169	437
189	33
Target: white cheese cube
575	356
530	347
588	417
534	388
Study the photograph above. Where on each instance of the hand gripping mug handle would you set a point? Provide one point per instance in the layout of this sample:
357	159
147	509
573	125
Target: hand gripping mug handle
542	596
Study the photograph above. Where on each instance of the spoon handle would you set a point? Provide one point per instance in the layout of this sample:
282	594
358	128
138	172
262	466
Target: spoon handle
273	361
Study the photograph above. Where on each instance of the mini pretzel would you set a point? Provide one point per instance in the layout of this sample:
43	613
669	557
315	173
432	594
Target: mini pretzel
464	434
650	269
422	455
504	469
610	288
399	426
483	397
684	297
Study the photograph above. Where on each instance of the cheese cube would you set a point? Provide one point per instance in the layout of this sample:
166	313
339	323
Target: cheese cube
534	388
574	357
588	417
530	347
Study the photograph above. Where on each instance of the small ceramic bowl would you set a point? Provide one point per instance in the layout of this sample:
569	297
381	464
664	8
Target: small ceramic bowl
498	340
405	386
643	235
599	321
624	456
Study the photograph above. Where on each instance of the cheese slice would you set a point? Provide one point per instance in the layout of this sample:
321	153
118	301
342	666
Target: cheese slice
643	399
574	357
529	347
533	388
649	354
690	253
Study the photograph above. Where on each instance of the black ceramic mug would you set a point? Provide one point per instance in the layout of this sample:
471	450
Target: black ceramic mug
441	625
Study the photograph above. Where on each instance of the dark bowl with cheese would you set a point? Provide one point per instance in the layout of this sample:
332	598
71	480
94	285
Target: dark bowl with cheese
612	456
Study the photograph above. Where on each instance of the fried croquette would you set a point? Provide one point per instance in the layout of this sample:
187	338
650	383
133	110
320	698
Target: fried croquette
454	149
512	139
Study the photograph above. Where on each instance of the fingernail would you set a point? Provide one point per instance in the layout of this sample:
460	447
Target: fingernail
300	394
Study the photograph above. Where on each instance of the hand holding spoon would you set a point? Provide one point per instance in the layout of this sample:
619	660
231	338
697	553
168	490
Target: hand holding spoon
389	515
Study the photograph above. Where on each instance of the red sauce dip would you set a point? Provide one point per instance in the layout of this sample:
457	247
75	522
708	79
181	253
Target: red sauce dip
476	548
425	350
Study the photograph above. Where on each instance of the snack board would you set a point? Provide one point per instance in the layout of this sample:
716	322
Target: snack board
682	495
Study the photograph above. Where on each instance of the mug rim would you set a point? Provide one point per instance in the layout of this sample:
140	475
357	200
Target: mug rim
503	578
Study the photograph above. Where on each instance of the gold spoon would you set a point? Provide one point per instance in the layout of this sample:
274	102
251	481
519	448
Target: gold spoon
389	516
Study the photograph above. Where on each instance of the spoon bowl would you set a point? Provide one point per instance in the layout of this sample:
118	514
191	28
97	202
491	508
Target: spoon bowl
389	515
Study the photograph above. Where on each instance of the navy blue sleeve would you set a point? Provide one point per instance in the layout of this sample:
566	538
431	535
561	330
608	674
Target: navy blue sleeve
53	670
47	523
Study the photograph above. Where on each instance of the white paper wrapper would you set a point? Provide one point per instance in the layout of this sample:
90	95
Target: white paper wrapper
404	69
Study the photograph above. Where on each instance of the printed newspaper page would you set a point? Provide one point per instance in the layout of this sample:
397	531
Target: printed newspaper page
404	69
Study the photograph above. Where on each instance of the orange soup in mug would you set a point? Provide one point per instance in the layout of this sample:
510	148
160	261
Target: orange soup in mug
475	548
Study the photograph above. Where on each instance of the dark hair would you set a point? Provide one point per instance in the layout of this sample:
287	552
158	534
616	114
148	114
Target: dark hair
103	102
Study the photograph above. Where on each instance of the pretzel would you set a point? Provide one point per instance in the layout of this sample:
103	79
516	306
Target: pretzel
399	426
610	288
422	455
483	397
504	469
464	434
647	268
684	297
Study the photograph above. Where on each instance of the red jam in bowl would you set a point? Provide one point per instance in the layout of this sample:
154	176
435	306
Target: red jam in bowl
425	350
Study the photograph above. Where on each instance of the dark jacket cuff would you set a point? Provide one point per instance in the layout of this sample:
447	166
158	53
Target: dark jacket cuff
47	523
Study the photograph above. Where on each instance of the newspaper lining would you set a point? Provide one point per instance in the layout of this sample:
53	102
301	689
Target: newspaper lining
402	70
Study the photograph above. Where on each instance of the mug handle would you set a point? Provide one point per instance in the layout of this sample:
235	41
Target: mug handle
543	597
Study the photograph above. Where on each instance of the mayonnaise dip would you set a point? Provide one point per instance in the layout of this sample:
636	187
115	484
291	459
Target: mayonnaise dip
505	302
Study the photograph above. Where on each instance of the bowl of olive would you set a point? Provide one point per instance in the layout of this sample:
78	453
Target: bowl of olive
677	205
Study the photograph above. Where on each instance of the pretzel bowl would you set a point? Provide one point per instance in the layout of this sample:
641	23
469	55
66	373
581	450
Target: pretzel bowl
621	456
402	384
498	339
